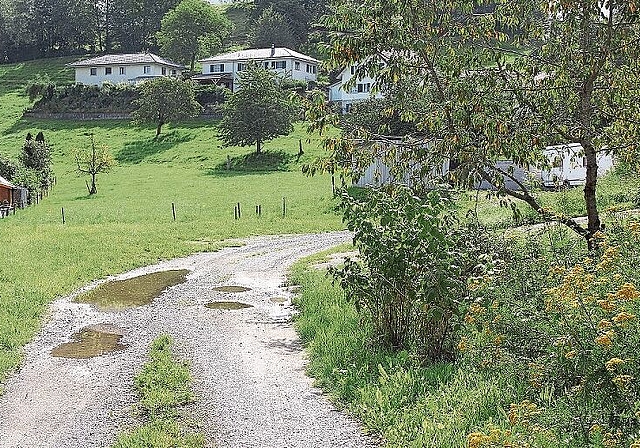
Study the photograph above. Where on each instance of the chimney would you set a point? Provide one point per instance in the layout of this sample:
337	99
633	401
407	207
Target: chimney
273	50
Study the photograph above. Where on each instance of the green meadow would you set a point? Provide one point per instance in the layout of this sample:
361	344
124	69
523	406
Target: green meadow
129	223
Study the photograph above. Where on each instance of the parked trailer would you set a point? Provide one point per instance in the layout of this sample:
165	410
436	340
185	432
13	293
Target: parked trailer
569	165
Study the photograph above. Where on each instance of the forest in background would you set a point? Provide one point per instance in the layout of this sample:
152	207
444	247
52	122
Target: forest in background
32	29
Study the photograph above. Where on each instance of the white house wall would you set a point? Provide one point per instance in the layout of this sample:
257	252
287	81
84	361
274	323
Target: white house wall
345	98
83	74
231	67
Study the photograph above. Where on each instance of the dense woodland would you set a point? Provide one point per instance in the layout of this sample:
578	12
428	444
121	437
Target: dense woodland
31	29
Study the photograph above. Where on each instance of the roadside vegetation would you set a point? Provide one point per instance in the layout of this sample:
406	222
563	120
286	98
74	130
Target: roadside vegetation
543	336
164	388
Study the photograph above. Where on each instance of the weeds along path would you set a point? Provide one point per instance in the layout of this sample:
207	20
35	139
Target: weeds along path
247	364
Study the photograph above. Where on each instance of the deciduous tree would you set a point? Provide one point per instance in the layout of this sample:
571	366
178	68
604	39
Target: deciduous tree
194	28
93	161
501	82
165	100
259	111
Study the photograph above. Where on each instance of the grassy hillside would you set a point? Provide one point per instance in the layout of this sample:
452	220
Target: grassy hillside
129	222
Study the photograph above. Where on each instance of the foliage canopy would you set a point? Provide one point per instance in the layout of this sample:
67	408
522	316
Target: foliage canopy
165	100
500	82
193	29
258	111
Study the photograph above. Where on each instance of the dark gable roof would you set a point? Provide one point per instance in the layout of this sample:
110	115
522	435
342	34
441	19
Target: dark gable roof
125	59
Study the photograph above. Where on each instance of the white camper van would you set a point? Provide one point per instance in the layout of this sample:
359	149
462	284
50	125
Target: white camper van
569	165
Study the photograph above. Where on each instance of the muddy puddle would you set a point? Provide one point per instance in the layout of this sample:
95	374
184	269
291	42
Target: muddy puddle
91	341
137	291
231	288
227	305
278	299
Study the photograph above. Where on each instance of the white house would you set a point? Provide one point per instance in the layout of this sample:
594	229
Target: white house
225	68
345	96
569	165
127	68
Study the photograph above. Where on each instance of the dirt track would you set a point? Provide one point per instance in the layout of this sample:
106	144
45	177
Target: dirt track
248	364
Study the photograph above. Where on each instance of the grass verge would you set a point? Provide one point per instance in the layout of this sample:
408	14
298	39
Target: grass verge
407	404
163	387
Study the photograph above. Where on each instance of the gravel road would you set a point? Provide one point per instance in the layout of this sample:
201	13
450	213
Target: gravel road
248	365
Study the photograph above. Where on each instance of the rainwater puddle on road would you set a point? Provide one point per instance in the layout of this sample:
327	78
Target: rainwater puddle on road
231	288
278	299
137	291
227	305
91	341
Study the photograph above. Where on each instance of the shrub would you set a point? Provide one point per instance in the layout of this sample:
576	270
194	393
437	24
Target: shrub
410	280
567	332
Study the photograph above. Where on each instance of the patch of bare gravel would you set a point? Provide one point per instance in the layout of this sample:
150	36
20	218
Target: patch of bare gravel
248	364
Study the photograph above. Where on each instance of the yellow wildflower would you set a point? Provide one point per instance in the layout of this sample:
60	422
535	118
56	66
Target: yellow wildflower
571	354
622	381
462	345
476	439
628	291
613	363
623	317
606	339
604	324
606	304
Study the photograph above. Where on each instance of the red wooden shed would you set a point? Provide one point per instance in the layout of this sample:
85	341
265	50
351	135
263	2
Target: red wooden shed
6	191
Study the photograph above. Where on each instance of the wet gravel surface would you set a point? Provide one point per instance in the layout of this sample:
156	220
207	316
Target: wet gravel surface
248	364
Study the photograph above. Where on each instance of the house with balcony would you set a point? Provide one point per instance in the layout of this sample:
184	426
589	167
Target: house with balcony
128	68
347	91
225	69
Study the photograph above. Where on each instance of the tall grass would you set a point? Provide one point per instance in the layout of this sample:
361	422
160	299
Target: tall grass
407	404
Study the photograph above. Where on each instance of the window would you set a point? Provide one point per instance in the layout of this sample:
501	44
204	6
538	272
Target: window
353	69
308	68
174	72
364	87
315	69
216	68
266	65
241	66
107	70
164	71
311	68
297	65
93	71
273	64
123	70
281	64
146	69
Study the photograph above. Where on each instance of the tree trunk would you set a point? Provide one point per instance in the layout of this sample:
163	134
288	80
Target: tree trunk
94	189
593	218
258	147
159	128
